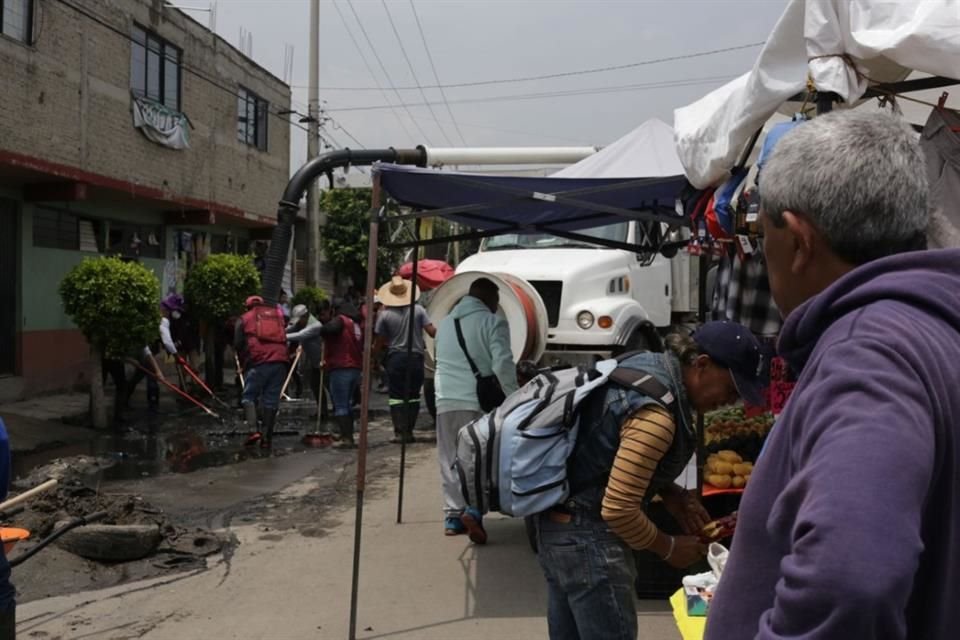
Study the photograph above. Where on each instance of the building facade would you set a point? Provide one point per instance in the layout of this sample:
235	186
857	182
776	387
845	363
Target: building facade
126	128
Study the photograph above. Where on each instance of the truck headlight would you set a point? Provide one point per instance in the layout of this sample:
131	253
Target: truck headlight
584	320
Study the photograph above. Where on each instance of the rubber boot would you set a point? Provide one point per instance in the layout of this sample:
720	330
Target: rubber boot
411	411
250	414
269	420
345	425
398	416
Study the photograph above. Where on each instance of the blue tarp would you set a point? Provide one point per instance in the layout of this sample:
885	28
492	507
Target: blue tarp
517	204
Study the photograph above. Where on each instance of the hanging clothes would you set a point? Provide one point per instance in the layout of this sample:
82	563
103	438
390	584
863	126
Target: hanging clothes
742	293
940	143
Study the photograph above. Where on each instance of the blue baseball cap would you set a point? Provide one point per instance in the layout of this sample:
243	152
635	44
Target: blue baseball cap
734	347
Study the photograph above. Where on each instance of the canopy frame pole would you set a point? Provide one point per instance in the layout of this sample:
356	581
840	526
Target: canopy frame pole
376	213
411	333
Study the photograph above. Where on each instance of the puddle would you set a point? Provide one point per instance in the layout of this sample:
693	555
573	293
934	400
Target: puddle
179	445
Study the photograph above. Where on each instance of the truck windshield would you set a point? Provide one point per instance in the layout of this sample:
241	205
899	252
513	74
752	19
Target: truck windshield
616	232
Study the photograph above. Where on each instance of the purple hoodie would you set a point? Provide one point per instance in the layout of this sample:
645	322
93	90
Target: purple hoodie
850	527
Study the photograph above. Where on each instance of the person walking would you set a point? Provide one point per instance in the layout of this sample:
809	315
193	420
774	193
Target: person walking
850	523
631	446
261	338
471	332
404	377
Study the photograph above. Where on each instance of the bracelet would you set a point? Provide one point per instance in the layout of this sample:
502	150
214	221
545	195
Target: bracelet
673	542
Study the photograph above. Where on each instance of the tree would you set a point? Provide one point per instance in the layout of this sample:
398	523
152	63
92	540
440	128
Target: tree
115	305
346	236
311	297
215	290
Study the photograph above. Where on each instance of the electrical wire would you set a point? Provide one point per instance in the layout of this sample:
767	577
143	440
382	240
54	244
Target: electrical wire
403	50
564	74
363	57
561	94
386	74
436	77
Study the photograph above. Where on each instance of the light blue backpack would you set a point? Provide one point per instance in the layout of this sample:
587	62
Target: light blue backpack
514	459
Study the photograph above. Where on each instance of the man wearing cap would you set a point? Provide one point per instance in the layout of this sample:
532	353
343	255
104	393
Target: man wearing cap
630	448
260	336
404	377
850	525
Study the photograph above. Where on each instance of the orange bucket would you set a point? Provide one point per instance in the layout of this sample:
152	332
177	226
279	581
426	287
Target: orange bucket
11	536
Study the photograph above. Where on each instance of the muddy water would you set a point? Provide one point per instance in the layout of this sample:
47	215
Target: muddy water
154	445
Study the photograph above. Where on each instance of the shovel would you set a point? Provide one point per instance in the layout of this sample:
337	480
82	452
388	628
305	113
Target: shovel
196	378
210	412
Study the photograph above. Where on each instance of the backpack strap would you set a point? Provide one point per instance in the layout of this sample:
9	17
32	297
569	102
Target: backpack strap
463	347
646	383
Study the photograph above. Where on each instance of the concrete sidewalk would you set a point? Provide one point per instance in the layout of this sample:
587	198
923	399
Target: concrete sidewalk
415	583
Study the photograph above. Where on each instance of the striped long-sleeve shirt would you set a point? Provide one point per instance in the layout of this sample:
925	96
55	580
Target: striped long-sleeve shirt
645	437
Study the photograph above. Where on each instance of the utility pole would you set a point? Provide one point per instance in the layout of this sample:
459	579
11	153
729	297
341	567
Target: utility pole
313	149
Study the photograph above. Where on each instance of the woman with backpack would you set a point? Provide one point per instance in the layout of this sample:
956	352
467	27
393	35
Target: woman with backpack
630	447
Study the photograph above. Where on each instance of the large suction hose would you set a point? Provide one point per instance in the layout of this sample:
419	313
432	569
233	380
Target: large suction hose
276	259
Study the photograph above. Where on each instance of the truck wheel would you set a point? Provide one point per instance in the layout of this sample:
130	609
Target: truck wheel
531	527
645	338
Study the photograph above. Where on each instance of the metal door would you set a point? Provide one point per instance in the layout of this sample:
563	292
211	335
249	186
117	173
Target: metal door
9	244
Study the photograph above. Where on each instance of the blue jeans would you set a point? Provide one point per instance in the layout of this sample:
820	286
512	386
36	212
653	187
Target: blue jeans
591	578
264	383
343	384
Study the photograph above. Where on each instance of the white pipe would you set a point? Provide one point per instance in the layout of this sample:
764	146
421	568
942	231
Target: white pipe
507	155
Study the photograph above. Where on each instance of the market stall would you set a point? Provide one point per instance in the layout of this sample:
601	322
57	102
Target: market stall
821	52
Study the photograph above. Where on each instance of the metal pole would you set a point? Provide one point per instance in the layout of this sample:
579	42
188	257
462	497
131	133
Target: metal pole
704	266
313	148
411	333
365	399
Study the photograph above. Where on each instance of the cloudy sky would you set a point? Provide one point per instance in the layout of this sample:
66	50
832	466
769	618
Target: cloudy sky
491	42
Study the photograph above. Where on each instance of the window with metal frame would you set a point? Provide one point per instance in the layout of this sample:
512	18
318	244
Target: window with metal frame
61	229
155	71
252	113
16	19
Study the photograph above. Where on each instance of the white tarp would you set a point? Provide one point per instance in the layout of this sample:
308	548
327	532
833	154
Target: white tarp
160	124
885	40
646	152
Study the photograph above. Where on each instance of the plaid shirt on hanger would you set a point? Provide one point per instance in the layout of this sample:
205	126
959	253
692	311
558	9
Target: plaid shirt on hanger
742	293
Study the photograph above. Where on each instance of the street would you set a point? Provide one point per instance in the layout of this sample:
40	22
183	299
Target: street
289	575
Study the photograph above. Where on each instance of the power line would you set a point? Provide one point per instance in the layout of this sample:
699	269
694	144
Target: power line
443	94
363	57
413	73
383	68
561	94
565	74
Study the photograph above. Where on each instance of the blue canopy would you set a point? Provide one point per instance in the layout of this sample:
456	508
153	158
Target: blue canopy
511	204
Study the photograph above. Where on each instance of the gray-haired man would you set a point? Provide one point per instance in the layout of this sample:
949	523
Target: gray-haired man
849	526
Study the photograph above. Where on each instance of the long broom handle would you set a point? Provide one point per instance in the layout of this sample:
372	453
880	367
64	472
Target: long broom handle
26	495
323	349
193	374
180	392
236	360
293	367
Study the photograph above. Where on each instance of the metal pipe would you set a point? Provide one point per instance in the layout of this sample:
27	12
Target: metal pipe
365	399
411	333
507	155
297	186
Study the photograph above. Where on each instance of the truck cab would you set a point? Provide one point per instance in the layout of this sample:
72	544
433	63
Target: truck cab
599	300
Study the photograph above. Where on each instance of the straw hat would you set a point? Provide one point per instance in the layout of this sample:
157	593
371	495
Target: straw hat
396	293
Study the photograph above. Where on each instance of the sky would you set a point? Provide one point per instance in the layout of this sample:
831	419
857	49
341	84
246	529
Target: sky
477	41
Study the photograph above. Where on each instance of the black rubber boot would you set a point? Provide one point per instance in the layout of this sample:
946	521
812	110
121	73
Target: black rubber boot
398	416
269	420
345	425
411	412
250	415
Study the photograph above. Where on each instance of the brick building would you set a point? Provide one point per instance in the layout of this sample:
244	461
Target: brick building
128	128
